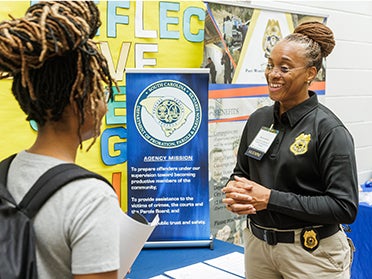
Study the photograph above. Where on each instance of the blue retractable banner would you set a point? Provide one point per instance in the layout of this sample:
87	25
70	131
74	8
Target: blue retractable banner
167	124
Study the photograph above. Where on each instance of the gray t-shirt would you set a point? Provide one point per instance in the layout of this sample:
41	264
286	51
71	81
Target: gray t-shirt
77	229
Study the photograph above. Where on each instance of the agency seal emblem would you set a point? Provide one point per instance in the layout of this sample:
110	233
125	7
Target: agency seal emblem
167	114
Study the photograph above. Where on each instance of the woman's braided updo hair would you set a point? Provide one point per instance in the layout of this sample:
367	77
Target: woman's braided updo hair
317	39
53	60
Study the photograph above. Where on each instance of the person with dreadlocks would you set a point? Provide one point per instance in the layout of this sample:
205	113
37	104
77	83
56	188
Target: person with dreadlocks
59	80
295	175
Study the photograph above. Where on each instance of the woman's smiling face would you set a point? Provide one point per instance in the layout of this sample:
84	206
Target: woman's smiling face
287	74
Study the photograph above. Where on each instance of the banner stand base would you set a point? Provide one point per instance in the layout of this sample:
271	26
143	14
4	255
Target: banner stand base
180	244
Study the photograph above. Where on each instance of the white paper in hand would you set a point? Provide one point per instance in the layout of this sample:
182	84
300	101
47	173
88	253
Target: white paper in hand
133	235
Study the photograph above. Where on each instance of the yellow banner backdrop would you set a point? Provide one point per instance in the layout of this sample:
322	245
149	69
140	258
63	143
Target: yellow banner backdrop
134	34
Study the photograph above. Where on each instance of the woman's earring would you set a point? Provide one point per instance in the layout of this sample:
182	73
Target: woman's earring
308	82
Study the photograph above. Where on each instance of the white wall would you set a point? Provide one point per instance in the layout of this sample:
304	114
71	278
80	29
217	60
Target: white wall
349	67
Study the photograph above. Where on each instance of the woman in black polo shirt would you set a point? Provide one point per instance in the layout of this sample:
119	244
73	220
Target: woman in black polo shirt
296	176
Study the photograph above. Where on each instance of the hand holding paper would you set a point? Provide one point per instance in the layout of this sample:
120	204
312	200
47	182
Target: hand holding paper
134	232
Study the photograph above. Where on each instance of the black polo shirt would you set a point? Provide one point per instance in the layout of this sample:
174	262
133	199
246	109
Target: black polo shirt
310	166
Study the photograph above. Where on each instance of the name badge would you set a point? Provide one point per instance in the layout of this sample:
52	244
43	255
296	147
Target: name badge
261	143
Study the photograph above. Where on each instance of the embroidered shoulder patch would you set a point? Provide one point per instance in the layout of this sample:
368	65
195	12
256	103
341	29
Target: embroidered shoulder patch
300	144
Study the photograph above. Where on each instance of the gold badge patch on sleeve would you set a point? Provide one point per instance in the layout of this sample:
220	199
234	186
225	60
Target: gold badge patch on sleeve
300	144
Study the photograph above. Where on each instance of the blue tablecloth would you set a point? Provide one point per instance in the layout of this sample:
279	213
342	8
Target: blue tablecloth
361	234
155	261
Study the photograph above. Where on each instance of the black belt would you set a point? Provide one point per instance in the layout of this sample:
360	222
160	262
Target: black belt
272	237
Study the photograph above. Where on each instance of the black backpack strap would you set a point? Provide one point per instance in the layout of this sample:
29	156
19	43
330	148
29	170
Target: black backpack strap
51	181
4	167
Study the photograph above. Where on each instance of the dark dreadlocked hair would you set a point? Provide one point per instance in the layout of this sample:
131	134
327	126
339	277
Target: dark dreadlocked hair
53	60
318	41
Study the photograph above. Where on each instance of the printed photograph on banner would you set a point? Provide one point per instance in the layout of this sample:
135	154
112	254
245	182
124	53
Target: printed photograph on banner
238	40
265	30
225	31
